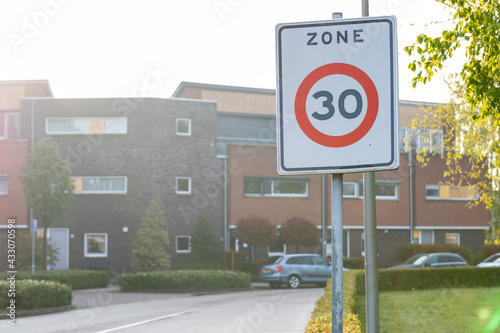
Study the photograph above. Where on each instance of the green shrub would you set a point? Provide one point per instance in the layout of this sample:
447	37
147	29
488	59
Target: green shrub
183	280
411	249
249	267
197	265
433	278
354	263
34	294
489	250
75	278
321	319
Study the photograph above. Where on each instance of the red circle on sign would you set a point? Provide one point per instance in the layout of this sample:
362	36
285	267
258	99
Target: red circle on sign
371	110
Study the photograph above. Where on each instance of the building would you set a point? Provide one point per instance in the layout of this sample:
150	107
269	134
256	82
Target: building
13	153
122	153
411	205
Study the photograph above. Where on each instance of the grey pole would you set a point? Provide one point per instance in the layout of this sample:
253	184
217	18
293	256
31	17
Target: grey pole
371	266
337	254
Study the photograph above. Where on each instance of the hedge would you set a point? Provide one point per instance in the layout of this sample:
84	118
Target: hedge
75	278
433	278
182	280
33	294
321	319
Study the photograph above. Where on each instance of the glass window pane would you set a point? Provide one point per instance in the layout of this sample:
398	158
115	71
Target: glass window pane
289	187
349	189
183	185
183	126
183	243
115	125
4	184
253	187
96	244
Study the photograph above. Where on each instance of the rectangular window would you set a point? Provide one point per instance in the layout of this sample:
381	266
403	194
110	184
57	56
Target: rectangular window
10	125
96	245
100	185
4	184
453	239
104	125
183	185
384	190
183	244
183	126
450	192
430	140
258	187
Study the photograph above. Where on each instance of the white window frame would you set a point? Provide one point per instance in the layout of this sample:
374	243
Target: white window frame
108	129
16	120
358	190
182	192
177	121
88	254
272	185
4	178
104	192
438	198
177	250
454	234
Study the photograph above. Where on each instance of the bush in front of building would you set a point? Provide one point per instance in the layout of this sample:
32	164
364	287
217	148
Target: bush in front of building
411	249
321	319
433	278
74	278
354	263
33	294
183	280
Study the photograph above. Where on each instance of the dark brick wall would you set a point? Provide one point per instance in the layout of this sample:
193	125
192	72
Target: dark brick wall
150	155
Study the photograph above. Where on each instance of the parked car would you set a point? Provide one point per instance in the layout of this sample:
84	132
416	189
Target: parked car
296	269
491	261
440	259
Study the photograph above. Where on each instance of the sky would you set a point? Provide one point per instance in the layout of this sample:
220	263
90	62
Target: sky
145	48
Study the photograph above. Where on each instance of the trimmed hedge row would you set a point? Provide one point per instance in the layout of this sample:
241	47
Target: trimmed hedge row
75	278
182	280
321	320
33	294
433	278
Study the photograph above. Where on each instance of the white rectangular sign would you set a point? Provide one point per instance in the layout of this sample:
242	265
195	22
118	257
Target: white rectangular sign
337	96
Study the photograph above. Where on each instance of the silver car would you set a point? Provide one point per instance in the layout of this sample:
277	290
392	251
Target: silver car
441	259
491	261
296	269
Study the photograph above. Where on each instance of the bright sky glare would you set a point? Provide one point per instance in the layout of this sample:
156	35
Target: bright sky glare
131	48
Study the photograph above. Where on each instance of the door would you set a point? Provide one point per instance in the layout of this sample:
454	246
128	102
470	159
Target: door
59	240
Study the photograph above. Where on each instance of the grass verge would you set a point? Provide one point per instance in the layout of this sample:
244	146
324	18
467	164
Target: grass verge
467	310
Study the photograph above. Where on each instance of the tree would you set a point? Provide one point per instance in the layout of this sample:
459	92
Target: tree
149	251
299	231
471	123
24	252
48	187
476	26
256	231
205	245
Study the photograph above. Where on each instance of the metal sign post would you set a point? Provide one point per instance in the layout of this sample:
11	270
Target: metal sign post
337	254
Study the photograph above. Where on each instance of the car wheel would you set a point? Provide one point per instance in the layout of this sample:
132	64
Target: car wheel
275	285
293	281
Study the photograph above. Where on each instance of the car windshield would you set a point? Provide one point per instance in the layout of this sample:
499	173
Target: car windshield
416	259
493	258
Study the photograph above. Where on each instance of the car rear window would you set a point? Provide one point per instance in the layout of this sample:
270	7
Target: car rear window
274	260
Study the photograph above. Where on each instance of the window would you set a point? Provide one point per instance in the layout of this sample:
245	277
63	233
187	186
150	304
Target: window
183	127
96	245
4	184
453	239
105	125
422	139
100	185
450	192
257	187
10	125
384	190
183	185
183	244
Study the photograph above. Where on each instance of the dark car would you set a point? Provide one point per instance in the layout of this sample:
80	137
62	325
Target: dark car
296	269
441	259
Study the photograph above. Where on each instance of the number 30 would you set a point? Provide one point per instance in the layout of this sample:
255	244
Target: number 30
328	104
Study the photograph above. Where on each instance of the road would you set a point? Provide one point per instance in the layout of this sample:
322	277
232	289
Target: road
259	310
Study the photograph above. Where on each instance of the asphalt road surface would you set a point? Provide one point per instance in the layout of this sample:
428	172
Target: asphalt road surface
101	311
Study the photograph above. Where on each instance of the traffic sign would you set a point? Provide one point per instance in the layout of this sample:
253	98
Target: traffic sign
337	96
